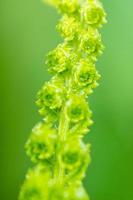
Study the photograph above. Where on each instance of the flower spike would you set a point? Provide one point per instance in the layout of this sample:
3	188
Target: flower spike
56	145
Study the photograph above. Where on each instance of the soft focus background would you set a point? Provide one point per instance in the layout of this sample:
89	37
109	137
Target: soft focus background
27	33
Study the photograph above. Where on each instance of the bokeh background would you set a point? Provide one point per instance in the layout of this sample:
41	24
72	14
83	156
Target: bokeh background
27	33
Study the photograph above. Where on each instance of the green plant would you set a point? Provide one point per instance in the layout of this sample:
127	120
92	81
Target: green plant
56	144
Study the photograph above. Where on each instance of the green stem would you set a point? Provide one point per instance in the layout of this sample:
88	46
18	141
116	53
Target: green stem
63	128
62	134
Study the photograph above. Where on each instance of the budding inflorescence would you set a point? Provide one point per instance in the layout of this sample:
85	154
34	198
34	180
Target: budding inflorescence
56	144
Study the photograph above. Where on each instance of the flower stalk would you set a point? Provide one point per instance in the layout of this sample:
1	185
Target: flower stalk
56	145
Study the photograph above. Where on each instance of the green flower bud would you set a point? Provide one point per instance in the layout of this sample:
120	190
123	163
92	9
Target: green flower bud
76	193
94	13
41	144
50	96
77	108
34	187
91	42
86	74
74	151
72	192
57	192
50	116
68	6
60	59
68	27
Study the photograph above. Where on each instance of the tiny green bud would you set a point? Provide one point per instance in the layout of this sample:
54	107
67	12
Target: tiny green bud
41	144
91	42
57	192
86	74
68	27
76	108
94	13
50	96
34	187
74	151
68	6
60	59
77	193
49	115
72	192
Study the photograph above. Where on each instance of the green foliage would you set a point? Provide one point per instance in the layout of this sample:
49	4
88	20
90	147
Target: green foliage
56	144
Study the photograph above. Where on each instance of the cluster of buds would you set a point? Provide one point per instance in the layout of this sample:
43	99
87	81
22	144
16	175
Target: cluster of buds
56	144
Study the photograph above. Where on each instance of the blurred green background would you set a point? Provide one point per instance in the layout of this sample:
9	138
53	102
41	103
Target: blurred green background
27	33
